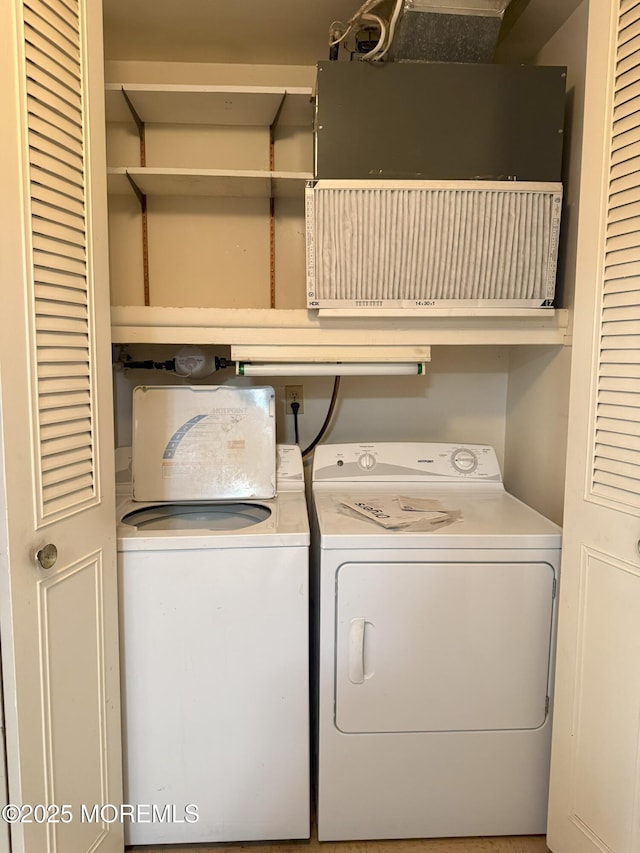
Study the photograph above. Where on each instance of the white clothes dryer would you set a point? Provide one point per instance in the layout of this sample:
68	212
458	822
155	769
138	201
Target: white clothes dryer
435	646
214	649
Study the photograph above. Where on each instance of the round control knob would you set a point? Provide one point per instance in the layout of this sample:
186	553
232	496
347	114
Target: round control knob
465	461
367	461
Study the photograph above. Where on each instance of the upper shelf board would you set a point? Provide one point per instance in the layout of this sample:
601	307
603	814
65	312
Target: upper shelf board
217	105
208	182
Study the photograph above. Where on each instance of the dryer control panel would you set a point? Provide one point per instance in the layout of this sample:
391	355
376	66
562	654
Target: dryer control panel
410	461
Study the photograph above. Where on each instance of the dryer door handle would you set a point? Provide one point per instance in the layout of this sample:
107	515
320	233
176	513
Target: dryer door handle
356	651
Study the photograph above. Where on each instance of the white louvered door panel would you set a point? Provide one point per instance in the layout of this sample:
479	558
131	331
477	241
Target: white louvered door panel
62	329
58	623
616	457
595	778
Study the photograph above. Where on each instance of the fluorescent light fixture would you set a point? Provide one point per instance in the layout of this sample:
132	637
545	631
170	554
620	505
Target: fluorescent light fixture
323	368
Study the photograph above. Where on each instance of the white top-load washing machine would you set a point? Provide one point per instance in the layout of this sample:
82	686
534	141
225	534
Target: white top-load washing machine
214	621
435	644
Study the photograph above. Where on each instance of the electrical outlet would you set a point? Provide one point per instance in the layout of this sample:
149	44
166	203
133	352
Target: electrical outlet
293	394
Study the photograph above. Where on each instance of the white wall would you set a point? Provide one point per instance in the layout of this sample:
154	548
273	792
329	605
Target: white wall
208	73
536	427
538	383
461	398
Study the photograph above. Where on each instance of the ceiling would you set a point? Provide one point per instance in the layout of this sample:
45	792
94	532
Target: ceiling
278	32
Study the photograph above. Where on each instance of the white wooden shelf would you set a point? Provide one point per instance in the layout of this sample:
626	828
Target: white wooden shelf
208	182
292	330
216	105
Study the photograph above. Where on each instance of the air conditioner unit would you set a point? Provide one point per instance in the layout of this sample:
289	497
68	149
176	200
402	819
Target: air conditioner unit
432	246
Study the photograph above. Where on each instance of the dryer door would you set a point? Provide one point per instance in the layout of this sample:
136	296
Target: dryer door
442	646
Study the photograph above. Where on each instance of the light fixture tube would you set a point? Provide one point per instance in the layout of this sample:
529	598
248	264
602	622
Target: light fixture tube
311	368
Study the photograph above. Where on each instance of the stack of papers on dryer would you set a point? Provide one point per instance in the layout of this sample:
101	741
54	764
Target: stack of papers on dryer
397	512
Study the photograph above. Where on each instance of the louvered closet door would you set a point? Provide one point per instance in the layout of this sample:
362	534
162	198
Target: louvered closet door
595	780
58	608
616	461
59	234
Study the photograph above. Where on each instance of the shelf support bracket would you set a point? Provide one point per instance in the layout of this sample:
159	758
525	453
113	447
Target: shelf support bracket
272	206
276	117
134	113
141	196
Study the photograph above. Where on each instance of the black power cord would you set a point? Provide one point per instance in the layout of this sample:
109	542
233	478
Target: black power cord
327	420
295	408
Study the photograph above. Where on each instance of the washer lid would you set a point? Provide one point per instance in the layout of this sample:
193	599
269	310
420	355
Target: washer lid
210	443
224	516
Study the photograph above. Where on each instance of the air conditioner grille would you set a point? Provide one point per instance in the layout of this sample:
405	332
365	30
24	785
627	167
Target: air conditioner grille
467	242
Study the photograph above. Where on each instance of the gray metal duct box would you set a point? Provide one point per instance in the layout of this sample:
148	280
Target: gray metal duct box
439	121
423	35
447	30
